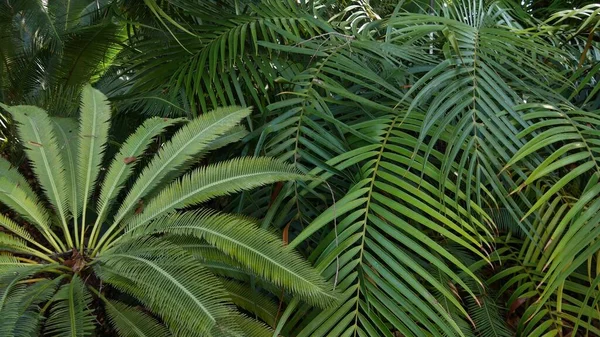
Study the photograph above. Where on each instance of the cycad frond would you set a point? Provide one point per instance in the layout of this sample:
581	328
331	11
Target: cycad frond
93	135
187	144
35	129
70	314
212	181
255	248
13	196
21	316
252	300
122	166
66	133
190	297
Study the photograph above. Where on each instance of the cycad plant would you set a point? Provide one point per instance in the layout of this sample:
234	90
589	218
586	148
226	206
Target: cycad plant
126	243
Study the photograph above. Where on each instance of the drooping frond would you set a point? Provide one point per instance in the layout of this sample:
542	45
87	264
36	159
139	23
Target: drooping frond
379	245
215	180
257	249
36	132
71	313
169	282
566	222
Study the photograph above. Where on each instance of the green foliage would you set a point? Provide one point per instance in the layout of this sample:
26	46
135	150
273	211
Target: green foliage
455	145
120	261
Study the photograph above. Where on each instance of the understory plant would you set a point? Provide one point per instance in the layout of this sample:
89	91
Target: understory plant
106	246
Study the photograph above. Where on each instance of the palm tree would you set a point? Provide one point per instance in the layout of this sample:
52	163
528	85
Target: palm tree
92	247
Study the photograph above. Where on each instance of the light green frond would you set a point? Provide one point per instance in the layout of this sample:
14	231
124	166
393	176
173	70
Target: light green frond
187	144
18	199
66	134
37	135
93	135
7	170
190	297
215	180
122	165
131	322
71	313
257	249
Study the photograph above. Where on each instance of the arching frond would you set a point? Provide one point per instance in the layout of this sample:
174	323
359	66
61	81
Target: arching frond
257	249
191	298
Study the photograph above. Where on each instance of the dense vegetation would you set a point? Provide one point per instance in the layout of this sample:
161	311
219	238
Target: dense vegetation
299	168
